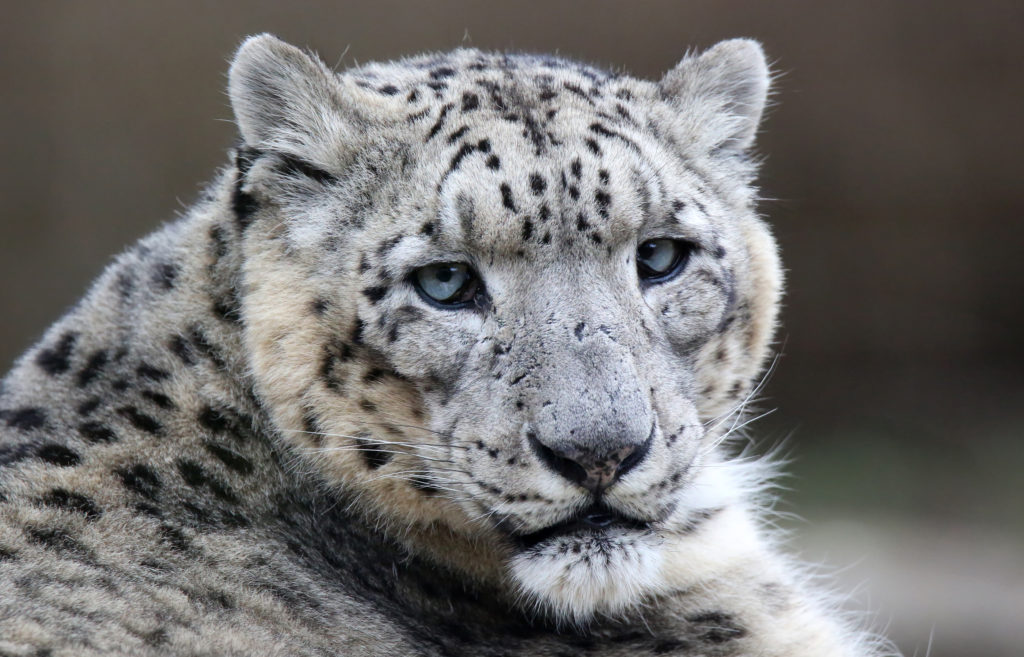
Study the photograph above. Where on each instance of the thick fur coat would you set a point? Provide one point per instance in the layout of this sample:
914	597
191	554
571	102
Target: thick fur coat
266	431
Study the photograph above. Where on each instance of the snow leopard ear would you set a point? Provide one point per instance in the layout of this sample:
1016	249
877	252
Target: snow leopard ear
287	101
720	94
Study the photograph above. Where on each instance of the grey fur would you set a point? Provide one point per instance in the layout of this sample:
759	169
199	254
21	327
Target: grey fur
253	436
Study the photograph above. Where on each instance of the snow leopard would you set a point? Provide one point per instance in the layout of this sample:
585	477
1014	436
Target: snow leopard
446	360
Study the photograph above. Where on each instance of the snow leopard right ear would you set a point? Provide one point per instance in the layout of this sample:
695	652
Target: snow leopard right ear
286	101
719	95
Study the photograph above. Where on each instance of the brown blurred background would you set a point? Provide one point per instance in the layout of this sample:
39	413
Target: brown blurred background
895	153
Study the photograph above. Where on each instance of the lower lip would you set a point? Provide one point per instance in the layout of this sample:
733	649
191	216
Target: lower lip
595	524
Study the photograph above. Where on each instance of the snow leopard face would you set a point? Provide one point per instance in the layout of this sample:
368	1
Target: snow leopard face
512	297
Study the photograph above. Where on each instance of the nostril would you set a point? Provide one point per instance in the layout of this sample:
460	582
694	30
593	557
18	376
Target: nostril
566	467
635	456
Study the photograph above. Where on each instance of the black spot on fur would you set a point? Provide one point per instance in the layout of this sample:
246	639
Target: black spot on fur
428	228
74	502
578	331
375	293
174	538
423	485
56	360
243	204
319	306
125	283
373	453
158	398
206	348
212	420
603	200
436	128
55	538
94	432
196	477
457	135
717	627
233	460
367	406
58	455
581	222
506	197
527	229
164	275
149	373
537	184
357	332
180	348
442	73
220	243
328	365
578	91
93	367
140	479
493	162
24	419
593	146
227	309
235	424
603	176
292	165
460	155
576	168
470	102
140	420
88	406
388	90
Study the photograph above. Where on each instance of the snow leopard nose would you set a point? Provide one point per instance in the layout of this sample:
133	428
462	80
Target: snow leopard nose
593	470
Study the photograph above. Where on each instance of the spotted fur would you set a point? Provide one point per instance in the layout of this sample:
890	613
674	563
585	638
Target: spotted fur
254	436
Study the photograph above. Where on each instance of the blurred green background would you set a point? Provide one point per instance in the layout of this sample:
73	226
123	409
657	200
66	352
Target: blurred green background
895	156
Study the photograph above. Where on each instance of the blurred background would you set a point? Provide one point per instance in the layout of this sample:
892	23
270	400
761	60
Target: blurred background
894	158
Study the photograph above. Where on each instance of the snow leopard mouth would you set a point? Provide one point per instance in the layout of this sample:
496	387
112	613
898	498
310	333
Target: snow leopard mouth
596	519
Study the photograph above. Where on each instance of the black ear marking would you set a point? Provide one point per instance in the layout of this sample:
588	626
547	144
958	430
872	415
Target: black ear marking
243	203
296	166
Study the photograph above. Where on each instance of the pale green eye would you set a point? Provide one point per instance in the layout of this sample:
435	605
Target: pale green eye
449	283
659	260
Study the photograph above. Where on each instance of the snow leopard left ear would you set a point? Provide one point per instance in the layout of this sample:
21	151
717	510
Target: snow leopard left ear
287	101
719	96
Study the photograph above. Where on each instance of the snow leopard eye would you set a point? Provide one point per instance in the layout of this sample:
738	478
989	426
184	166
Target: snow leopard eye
660	260
449	284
